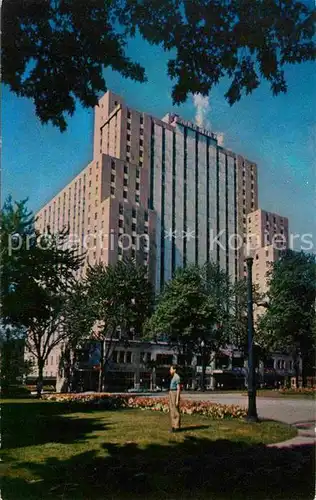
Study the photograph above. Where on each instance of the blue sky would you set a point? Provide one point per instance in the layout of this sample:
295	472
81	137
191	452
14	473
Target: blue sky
278	133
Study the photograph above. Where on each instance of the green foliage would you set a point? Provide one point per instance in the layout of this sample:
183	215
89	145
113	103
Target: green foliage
239	316
120	300
13	367
194	307
37	278
15	391
55	51
120	297
290	318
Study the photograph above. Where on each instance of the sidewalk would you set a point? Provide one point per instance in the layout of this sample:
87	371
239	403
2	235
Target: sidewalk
306	436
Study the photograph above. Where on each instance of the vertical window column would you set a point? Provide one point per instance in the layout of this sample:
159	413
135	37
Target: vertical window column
208	221
173	226
196	199
163	189
185	191
217	203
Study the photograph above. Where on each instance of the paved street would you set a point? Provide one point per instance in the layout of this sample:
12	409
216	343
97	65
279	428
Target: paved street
287	410
300	412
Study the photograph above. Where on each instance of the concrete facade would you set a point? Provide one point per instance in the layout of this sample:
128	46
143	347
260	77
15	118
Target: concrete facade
267	235
150	178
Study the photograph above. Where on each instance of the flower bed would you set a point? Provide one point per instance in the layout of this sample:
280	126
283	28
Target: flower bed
187	407
299	390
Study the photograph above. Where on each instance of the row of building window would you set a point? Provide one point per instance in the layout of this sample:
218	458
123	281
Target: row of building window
76	190
141	139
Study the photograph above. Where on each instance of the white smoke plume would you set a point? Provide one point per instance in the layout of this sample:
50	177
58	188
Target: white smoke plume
202	106
220	138
202	109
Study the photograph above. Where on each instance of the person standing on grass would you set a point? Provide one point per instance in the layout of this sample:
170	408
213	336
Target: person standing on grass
174	399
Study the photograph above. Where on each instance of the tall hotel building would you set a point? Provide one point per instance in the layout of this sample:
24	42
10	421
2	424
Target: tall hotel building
161	191
267	234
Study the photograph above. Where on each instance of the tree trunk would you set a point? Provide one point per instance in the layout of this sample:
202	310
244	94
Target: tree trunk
39	383
102	368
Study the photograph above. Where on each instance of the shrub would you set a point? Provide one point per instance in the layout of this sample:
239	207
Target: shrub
15	391
187	407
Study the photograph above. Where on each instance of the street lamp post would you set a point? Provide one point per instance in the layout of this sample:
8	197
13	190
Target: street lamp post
203	366
252	408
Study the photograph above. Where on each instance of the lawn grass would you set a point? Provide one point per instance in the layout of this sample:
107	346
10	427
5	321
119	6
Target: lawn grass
59	451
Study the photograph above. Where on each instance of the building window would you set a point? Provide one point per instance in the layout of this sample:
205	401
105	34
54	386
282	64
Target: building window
133	240
140	153
128	114
112	190
113	165
128	357
128	137
125	195
137	173
141	142
137	198
112	178
134	213
128	148
128	126
120	208
137	186
125	169
120	223
141	119
133	226
125	182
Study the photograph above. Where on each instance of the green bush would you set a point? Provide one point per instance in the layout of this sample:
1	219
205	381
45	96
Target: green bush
15	391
